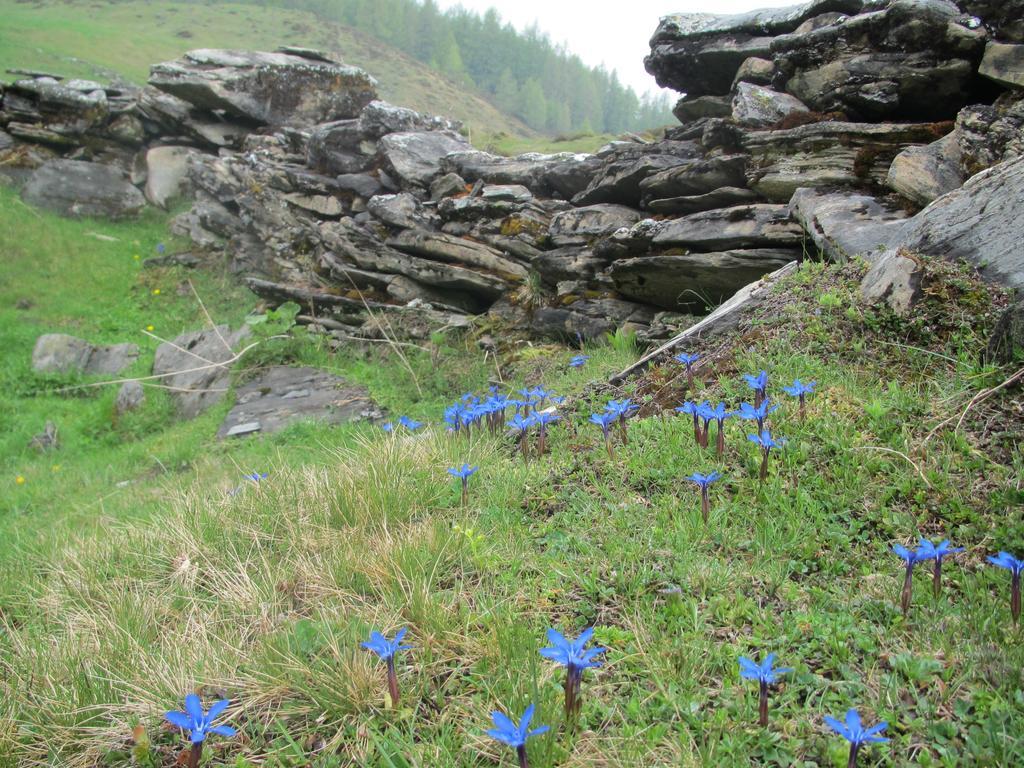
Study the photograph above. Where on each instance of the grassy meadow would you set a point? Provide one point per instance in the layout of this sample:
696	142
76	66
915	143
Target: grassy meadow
129	576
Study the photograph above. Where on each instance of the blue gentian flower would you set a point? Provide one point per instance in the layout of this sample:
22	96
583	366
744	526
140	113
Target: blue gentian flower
521	426
688	360
757	413
388	427
766	442
387	649
765	675
256	476
464	473
692	409
704	482
1015	567
605	421
622	410
800	390
936	552
759	384
160	248
544	418
578	361
856	734
411	424
706	414
199	724
575	657
515	735
911	557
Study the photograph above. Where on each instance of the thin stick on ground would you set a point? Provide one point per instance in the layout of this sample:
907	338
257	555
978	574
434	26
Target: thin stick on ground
213	325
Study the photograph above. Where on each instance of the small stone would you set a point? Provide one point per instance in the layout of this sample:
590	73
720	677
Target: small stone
243	429
895	279
130	396
46	440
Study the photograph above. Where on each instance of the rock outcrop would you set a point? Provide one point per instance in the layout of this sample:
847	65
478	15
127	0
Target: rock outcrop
826	126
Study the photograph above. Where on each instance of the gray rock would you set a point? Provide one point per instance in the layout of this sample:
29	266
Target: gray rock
845	225
687	110
447	186
60	353
725	197
415	158
582	225
268	88
77	188
196	364
698	176
626	164
741	227
1003	63
1004	18
695	280
911	59
564	174
47	440
65	111
988	135
379	118
894	279
402	211
324	206
757	71
130	397
362	184
760	107
456	250
569	263
167	173
281	396
511	193
979	223
829	154
922	174
338	148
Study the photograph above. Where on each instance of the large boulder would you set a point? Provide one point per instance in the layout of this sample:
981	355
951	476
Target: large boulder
979	223
741	227
845	225
564	174
66	109
582	225
625	165
79	188
695	280
61	353
829	154
197	367
698	176
1003	63
924	173
759	107
266	88
414	158
700	53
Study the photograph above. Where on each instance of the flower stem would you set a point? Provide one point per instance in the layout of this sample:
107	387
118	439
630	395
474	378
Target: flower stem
937	577
465	492
622	430
763	706
696	428
758	398
573	678
854	749
705	504
803	407
524	447
521	752
689	378
720	439
908	584
392	682
194	754
542	441
1015	598
764	466
608	445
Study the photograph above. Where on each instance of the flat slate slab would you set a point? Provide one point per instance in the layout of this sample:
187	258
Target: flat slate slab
283	395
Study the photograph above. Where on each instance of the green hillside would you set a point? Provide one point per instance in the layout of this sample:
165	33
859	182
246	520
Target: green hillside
100	40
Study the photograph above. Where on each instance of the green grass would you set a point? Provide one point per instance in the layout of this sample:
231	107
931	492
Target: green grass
115	601
102	39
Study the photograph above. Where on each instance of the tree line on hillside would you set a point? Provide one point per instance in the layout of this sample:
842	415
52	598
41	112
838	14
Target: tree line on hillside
524	74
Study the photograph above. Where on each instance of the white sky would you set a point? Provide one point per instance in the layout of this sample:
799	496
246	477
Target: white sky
601	32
